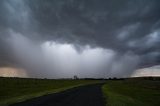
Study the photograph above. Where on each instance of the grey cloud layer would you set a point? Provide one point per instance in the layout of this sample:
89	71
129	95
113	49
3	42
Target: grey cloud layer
128	27
53	59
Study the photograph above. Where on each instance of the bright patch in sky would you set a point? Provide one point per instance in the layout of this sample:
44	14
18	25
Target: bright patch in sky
68	61
12	72
151	71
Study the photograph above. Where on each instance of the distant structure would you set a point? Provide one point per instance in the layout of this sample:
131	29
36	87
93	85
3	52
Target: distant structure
75	77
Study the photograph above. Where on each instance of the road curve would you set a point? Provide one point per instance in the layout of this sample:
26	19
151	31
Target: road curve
89	95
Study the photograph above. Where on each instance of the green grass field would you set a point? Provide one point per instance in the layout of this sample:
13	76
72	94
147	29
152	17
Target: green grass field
17	89
132	93
117	93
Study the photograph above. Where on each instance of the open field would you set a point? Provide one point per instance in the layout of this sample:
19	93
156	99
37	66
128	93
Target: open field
17	89
127	92
88	95
132	93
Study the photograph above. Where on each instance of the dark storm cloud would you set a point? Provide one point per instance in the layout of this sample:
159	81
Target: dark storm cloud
102	22
127	27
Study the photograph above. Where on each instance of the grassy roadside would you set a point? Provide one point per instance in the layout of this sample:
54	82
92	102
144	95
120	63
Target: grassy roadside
132	93
14	90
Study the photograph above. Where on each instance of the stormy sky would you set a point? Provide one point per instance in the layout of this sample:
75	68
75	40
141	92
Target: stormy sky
88	38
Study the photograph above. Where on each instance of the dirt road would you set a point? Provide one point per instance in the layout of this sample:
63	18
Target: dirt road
90	95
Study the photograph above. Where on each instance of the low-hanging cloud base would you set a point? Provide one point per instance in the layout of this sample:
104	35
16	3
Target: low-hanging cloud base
54	59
